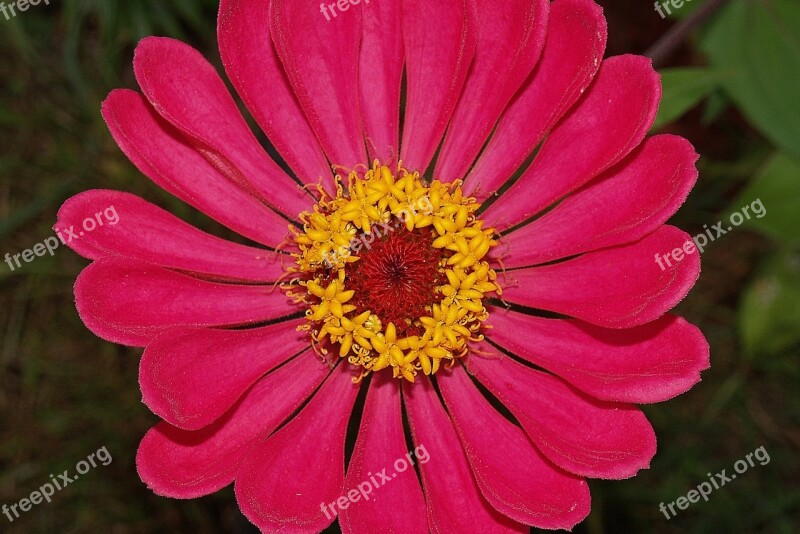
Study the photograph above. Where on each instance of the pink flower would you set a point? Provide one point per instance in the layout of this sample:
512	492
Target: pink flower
257	383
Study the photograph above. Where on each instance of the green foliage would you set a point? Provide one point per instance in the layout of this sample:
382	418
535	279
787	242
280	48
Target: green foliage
683	89
758	42
769	314
118	25
778	187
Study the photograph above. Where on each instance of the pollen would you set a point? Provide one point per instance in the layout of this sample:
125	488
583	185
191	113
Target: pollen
392	272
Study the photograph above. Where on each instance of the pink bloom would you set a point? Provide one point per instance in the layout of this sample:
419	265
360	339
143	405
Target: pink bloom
578	310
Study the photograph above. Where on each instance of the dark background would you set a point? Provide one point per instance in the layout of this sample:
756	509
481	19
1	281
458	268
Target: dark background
65	393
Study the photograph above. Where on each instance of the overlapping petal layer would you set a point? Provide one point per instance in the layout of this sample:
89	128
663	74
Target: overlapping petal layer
578	433
130	302
144	232
437	63
396	505
191	376
511	473
253	66
380	76
208	116
282	482
623	205
187	464
510	38
576	39
169	160
320	59
649	363
609	121
448	468
618	287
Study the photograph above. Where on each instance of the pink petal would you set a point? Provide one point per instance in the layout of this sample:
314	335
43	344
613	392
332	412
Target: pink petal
162	154
440	38
454	502
576	38
208	116
395	505
618	287
320	58
577	433
146	233
649	363
379	77
253	67
130	303
191	376
608	123
511	35
283	482
188	464
623	205
511	473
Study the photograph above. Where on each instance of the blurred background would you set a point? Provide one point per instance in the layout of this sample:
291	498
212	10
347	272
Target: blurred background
731	72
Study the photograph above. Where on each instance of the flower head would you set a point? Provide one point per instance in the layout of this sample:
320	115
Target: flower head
495	247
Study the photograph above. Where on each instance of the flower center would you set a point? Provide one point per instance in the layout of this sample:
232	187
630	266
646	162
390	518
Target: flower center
391	272
397	276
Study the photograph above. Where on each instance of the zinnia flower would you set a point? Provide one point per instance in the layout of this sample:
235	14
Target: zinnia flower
473	213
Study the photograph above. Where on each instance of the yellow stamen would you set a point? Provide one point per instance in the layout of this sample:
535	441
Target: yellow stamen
382	196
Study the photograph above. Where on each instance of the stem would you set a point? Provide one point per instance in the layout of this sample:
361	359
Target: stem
671	40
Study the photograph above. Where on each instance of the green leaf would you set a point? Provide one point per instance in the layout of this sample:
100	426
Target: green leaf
769	315
683	90
716	104
758	41
777	186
